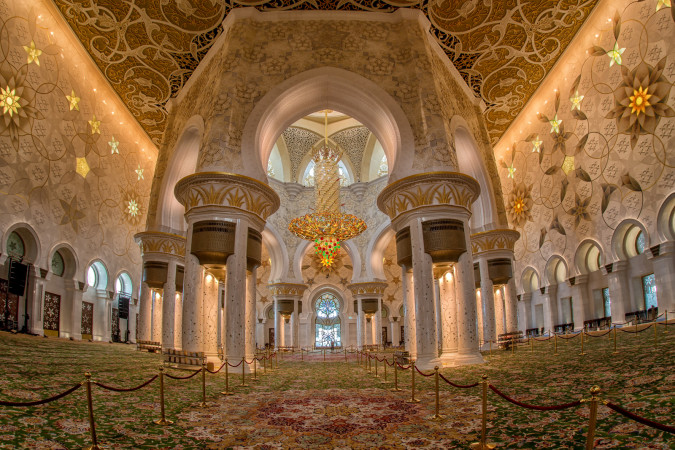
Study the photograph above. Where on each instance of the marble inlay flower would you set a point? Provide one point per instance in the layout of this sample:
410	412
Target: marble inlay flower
641	100
555	124
615	54
132	208
95	125
519	206
536	145
560	138
512	171
33	53
114	146
576	101
662	3
139	172
73	100
580	209
9	101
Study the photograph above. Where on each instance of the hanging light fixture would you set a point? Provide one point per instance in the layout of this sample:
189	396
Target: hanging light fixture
327	227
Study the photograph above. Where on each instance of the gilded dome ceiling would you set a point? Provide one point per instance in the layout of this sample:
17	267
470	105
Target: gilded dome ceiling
148	49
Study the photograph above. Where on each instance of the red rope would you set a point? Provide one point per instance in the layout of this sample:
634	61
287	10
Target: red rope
116	389
216	371
461	386
642	420
599	335
232	365
184	378
542	339
249	362
424	374
46	400
538	408
571	336
404	368
636	330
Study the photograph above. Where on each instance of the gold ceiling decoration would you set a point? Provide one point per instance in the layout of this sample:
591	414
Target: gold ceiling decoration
148	49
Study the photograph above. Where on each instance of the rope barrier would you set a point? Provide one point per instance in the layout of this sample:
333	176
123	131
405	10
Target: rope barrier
461	386
424	374
184	378
569	336
642	420
636	330
116	389
216	371
543	339
235	366
403	368
599	335
43	401
535	407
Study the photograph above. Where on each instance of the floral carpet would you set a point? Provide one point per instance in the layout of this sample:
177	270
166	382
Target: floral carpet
307	403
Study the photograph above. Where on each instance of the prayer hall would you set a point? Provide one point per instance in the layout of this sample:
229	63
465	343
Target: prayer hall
337	224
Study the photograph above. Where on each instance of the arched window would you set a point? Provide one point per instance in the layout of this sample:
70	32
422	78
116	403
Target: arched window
308	178
97	275
15	245
58	265
327	321
383	168
123	284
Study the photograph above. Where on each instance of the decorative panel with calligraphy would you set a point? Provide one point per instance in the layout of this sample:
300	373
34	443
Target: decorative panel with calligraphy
52	314
87	320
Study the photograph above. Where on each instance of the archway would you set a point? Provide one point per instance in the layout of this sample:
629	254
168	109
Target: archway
327	333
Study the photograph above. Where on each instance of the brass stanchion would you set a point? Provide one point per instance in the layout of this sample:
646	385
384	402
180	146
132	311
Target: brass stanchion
90	406
227	379
615	339
582	342
162	420
412	384
483	444
395	388
555	344
385	372
376	375
255	370
243	372
437	414
592	417
203	403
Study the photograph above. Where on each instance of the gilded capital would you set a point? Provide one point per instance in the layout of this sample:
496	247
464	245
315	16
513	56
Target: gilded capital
227	190
287	289
368	288
428	189
157	242
486	241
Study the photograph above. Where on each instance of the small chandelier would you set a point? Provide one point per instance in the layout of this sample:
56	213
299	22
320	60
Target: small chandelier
328	227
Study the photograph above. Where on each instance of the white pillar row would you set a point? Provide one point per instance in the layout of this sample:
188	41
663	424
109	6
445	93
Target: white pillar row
619	290
425	317
487	301
169	307
192	302
511	306
581	305
278	326
437	312
377	339
550	307
395	331
360	325
526	302
410	329
75	294
448	314
663	264
479	315
251	279
260	332
144	313
500	320
294	327
468	351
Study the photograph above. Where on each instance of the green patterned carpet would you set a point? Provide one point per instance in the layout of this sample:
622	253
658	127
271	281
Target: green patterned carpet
311	404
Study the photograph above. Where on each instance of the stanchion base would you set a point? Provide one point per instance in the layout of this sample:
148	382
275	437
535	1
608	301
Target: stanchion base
413	400
202	405
376	376
243	385
436	417
385	382
227	393
396	389
486	446
255	379
582	354
162	422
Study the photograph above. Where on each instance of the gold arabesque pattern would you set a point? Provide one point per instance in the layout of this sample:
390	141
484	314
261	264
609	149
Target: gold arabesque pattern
158	242
148	50
493	240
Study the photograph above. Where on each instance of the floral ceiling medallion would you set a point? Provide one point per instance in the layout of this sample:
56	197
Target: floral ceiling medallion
33	53
9	101
73	101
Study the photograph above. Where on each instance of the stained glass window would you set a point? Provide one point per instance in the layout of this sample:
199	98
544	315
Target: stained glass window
327	321
640	243
15	246
58	267
606	302
649	291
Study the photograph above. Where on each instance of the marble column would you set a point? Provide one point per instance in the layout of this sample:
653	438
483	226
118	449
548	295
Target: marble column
619	290
235	328
511	306
409	308
500	322
468	351
278	326
157	316
178	322
550	307
75	312
487	301
260	332
581	304
425	317
479	315
437	312
210	319
663	265
526	302
448	316
395	332
193	315
251	279
144	313
360	325
294	327
378	325
169	307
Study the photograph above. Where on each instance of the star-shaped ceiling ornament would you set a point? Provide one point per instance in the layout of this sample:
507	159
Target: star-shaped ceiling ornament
512	171
132	208
662	3
73	100
536	145
95	125
615	54
9	101
82	167
71	213
114	146
576	101
33	53
555	124
139	172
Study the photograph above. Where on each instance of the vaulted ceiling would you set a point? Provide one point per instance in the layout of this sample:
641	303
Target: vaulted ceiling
147	49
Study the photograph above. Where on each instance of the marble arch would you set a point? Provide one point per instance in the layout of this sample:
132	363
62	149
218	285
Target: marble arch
321	88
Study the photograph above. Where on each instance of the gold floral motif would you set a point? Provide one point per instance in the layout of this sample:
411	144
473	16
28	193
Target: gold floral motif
291	289
493	240
368	287
227	190
159	242
426	189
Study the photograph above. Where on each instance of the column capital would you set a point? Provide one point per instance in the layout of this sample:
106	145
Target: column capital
226	191
616	266
368	289
287	290
431	189
494	242
160	245
577	280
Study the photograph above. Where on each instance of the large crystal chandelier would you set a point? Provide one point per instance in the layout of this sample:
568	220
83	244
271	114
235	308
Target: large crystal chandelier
328	227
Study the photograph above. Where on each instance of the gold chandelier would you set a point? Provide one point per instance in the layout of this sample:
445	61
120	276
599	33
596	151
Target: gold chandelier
328	227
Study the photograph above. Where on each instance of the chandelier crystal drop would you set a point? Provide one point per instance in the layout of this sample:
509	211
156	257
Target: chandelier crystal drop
327	227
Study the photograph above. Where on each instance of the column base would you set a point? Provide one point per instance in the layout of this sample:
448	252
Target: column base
428	362
463	359
448	359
